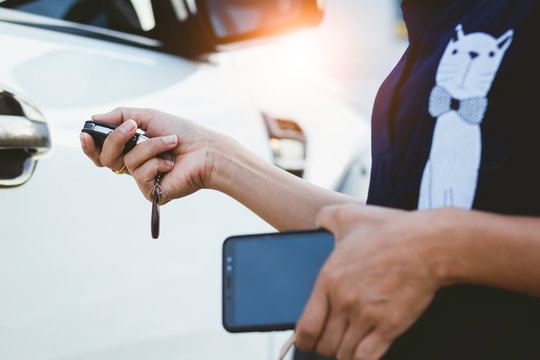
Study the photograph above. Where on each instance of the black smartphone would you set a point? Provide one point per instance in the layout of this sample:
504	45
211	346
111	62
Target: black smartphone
100	130
268	278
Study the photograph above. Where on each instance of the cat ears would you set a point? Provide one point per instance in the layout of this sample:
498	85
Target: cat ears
505	40
502	43
458	33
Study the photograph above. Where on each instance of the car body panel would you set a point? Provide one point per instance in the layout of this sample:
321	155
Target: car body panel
81	277
80	273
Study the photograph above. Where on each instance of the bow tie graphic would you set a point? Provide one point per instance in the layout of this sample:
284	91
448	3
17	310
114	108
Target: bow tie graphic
471	110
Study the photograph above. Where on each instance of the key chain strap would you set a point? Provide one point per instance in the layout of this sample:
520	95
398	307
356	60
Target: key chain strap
157	190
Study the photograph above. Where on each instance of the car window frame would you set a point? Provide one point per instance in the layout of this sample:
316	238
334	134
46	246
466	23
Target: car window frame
18	17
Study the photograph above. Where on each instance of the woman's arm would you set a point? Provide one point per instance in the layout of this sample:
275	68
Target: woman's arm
280	198
494	250
206	159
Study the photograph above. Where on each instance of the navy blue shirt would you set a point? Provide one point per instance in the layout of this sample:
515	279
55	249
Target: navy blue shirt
456	124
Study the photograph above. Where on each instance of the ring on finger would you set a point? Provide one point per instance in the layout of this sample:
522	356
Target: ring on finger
123	170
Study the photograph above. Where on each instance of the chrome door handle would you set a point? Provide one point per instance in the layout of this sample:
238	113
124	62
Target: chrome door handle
24	136
19	132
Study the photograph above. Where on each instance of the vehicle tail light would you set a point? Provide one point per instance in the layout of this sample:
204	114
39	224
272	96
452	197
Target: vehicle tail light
288	144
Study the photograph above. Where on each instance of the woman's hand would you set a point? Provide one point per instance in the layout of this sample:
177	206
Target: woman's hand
379	279
192	145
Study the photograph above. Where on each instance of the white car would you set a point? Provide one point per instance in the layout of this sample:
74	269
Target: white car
80	275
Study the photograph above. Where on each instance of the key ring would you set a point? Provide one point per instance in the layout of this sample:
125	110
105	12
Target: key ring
158	189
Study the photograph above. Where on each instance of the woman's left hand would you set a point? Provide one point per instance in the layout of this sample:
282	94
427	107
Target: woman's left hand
379	279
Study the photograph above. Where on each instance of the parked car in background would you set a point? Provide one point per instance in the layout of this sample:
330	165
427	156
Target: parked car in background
80	276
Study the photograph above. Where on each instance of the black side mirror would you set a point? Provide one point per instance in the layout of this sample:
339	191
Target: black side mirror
194	28
237	20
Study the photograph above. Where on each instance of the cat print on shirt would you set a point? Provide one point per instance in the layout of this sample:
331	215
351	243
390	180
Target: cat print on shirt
458	102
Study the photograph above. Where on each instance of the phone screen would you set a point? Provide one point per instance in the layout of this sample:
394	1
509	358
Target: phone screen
267	278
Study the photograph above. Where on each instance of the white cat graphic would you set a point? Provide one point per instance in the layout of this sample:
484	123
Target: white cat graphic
458	101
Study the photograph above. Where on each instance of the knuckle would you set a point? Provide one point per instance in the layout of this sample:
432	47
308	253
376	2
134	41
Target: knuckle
394	320
305	337
117	137
163	166
361	357
342	355
324	349
158	165
150	147
137	175
363	353
150	111
329	278
121	109
97	162
156	143
348	302
371	348
369	314
105	161
391	326
129	161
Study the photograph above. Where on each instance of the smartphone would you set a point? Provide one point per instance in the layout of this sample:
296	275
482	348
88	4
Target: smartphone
268	278
100	130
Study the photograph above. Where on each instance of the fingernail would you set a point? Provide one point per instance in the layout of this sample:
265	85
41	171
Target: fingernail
169	162
170	139
128	126
81	138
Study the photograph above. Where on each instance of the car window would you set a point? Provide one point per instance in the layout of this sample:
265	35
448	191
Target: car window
130	16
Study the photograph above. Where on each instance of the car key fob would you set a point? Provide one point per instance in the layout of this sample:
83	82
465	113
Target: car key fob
100	130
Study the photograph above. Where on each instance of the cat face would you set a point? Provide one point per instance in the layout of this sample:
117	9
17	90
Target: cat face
470	63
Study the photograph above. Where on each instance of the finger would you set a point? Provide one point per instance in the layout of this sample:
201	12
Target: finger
332	336
113	146
352	337
149	149
313	319
372	347
122	114
145	175
90	149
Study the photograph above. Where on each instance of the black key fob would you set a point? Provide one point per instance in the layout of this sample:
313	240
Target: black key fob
99	132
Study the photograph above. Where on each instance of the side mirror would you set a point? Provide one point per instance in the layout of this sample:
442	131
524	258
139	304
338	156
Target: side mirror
238	20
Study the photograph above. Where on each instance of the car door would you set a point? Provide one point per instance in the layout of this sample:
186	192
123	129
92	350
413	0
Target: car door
81	277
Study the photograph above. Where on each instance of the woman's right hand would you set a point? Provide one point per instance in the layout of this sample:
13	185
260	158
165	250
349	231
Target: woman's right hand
193	147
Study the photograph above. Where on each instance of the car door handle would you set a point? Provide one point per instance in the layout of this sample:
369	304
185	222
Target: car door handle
24	136
19	132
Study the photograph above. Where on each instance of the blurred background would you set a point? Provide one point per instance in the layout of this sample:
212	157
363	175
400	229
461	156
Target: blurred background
96	297
349	54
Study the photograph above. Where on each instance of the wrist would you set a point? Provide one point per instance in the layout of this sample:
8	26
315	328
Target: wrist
221	161
448	253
